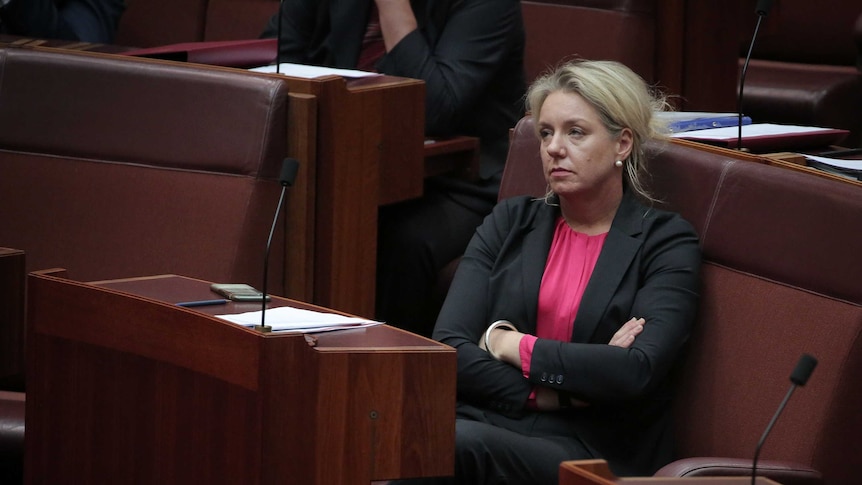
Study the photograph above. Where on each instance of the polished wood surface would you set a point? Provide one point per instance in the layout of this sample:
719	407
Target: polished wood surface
775	160
597	472
11	318
126	384
369	152
457	156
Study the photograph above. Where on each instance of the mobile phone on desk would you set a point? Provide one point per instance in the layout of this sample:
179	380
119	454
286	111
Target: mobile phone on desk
238	292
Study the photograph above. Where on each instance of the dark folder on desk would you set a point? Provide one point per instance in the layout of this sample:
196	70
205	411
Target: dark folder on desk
230	53
766	137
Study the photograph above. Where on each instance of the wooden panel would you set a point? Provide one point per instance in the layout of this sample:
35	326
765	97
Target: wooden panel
370	135
299	210
127	386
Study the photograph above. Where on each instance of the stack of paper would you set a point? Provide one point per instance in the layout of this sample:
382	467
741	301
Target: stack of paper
768	136
310	72
287	318
846	168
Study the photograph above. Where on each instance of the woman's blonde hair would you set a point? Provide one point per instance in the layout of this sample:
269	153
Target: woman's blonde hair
622	99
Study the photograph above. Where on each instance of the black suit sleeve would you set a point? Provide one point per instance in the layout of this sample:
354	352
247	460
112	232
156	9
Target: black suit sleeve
84	20
467	312
469	52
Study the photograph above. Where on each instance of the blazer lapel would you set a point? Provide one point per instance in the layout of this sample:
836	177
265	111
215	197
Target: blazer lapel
537	244
620	248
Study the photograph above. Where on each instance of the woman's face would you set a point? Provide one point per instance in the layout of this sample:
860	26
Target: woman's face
578	152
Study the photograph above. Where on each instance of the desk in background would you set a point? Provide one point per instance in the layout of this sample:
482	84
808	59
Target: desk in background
782	160
369	151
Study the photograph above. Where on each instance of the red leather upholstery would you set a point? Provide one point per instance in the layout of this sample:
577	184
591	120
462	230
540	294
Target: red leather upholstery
150	23
238	19
622	30
116	166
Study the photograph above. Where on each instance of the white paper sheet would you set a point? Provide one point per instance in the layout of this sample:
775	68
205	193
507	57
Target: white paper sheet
311	72
298	320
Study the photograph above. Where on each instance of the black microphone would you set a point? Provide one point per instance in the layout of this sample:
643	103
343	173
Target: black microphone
799	377
278	47
761	9
289	167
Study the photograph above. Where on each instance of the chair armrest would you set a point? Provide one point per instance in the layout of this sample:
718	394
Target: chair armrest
784	472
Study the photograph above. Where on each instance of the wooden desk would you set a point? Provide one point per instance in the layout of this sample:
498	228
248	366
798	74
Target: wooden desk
370	152
776	160
126	384
596	472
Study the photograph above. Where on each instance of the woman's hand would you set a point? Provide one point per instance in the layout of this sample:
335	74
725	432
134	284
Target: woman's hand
504	345
625	336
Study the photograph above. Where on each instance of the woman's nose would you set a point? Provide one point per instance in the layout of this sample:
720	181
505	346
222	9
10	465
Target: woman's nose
555	147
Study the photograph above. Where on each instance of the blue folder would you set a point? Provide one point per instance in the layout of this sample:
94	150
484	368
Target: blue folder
705	123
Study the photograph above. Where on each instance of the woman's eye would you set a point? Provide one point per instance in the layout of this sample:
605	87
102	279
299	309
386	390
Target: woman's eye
544	133
575	132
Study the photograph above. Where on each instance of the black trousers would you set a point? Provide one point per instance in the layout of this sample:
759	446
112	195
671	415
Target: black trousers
416	239
492	449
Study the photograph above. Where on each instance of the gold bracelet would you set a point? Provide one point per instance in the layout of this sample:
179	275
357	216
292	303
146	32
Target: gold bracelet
503	324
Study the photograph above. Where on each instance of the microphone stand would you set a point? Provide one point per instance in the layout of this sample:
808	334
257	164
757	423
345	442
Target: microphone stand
278	39
289	167
263	327
762	9
799	377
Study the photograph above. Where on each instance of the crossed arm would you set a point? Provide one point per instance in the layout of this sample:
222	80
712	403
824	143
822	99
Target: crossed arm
506	347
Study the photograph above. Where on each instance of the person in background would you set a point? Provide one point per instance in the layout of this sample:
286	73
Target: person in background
77	20
470	54
569	311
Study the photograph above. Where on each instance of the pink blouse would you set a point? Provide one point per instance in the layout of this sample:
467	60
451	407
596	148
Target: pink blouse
571	261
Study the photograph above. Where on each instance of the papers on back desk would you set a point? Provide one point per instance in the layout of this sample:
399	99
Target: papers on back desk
310	72
287	318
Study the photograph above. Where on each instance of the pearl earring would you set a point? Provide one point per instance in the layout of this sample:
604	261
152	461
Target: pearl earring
618	163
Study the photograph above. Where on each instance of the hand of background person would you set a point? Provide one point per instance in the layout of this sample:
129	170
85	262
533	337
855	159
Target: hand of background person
396	21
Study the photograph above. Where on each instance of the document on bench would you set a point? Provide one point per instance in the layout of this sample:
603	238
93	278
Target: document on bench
851	169
767	136
287	318
310	72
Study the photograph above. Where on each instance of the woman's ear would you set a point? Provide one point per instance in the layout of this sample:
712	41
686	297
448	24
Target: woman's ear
625	142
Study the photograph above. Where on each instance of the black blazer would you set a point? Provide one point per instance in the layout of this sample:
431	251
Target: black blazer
649	267
470	53
85	20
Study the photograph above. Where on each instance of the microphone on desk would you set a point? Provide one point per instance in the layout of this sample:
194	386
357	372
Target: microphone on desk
799	377
761	9
289	167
